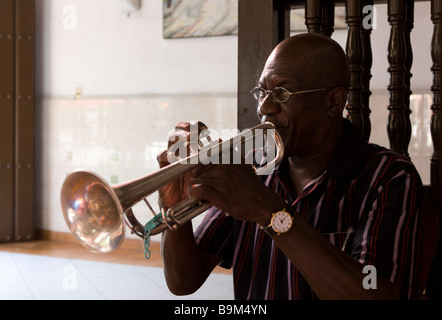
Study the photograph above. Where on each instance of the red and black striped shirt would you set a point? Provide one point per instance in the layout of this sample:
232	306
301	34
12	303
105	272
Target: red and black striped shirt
367	192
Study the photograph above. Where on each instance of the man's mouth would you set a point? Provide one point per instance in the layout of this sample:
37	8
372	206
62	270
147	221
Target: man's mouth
280	128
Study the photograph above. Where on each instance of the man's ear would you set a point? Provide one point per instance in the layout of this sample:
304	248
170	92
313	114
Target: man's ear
337	101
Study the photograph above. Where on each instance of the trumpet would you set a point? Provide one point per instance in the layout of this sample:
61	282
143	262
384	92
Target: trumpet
96	212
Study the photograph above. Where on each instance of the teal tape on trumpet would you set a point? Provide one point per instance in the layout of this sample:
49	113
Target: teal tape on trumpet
148	227
147	244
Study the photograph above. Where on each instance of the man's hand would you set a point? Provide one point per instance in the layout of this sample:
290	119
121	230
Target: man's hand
176	190
236	190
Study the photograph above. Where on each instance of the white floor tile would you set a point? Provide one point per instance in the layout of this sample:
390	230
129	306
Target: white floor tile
33	277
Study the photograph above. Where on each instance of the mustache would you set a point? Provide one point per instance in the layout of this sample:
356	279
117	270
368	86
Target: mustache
278	125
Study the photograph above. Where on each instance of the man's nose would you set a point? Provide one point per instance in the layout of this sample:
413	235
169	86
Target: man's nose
268	106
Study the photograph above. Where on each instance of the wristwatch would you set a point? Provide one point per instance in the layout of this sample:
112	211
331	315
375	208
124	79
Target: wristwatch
280	222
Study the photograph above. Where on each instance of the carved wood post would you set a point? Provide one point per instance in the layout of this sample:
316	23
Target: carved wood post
313	18
409	11
398	124
367	61
436	107
354	55
328	19
409	60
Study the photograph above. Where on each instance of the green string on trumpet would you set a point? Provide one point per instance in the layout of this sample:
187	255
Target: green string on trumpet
146	242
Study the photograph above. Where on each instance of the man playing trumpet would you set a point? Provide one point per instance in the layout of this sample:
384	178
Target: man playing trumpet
334	206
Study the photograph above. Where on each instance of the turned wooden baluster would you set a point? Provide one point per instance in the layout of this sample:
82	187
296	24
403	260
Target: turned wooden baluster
328	19
354	55
367	61
313	17
436	107
398	124
409	60
409	10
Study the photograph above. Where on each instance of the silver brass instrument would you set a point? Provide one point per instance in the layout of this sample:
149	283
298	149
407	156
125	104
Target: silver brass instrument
96	212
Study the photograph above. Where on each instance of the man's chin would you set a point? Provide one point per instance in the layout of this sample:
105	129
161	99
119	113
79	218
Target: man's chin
283	132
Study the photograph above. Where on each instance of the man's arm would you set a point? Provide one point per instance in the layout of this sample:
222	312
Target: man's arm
186	266
332	274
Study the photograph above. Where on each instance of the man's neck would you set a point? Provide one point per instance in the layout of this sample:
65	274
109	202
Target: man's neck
306	168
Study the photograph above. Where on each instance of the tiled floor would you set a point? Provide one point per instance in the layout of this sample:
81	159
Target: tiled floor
40	277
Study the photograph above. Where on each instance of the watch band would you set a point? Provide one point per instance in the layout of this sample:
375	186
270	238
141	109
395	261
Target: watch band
269	228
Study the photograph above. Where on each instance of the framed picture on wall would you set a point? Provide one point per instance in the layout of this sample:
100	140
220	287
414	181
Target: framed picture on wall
199	18
204	18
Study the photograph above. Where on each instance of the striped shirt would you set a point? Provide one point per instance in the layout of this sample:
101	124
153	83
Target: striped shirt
368	200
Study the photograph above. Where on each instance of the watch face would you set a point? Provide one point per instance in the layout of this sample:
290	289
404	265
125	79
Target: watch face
281	221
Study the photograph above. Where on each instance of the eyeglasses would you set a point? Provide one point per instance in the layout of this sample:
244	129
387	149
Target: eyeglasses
280	94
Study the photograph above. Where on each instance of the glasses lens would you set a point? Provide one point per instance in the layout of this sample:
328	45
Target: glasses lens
258	93
281	94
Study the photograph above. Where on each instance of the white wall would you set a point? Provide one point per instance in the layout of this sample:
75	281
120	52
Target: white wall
111	54
136	85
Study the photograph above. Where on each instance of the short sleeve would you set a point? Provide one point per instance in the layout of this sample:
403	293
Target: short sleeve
389	232
214	235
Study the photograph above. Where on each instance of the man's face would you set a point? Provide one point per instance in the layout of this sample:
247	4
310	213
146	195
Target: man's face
301	120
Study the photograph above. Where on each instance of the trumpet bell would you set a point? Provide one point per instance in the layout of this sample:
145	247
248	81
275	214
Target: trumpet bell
92	211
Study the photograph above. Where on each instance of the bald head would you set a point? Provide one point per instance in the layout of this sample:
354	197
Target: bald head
313	60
